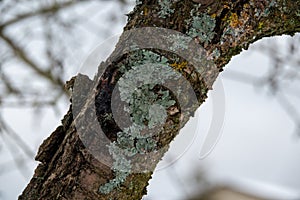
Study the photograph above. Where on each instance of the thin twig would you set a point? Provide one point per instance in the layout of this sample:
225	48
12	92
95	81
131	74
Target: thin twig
22	55
10	132
52	9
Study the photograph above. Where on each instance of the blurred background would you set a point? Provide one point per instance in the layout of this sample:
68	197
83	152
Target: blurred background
44	43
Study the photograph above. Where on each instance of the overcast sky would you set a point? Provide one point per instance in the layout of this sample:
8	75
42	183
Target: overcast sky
258	145
258	148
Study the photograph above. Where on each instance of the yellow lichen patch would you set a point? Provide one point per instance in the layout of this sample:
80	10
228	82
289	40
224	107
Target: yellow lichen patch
179	66
234	20
213	15
260	25
146	12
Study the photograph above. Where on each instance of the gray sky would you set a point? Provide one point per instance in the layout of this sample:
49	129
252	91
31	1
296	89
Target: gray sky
257	149
257	145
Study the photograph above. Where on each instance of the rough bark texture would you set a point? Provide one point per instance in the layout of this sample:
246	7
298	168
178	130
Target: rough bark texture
67	170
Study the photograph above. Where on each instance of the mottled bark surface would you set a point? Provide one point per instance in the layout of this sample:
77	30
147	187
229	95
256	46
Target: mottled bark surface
67	170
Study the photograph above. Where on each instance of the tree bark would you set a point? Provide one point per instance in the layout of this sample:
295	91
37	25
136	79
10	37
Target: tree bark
68	169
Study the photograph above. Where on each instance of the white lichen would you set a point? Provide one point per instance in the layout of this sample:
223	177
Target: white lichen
146	108
203	28
165	8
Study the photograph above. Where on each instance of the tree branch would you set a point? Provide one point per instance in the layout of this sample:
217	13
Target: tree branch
19	52
223	28
43	11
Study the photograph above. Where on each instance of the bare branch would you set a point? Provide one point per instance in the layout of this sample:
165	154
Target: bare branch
52	9
11	133
22	56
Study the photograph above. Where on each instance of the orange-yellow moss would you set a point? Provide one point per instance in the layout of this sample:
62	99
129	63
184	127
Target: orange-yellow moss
260	25
146	11
234	20
213	15
179	66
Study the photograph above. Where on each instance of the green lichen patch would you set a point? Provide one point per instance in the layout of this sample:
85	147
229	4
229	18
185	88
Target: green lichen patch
147	102
203	28
165	8
263	8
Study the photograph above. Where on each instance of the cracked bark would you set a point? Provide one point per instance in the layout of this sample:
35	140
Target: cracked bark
68	171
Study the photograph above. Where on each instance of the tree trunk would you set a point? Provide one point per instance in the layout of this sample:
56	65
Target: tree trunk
196	41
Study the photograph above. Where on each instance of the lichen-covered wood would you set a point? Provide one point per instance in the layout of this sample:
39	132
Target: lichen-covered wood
67	170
